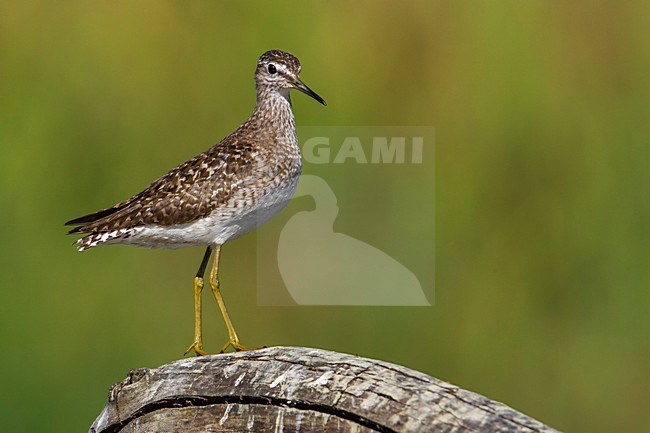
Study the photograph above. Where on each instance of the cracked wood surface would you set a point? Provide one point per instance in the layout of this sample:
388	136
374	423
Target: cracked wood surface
295	389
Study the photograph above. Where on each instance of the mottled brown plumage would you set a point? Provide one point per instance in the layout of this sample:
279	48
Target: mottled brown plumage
223	192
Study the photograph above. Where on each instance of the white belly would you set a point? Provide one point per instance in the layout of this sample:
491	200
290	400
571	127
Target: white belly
223	225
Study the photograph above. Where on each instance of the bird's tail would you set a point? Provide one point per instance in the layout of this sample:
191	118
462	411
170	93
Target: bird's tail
96	239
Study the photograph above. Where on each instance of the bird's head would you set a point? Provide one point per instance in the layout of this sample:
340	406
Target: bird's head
278	70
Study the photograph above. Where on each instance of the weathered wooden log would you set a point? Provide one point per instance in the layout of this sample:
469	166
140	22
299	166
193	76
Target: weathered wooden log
295	389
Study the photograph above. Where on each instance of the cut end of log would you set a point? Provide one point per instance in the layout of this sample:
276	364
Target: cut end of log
298	389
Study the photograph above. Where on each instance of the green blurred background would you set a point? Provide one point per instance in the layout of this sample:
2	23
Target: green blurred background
541	112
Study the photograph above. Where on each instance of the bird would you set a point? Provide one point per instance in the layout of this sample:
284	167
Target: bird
219	195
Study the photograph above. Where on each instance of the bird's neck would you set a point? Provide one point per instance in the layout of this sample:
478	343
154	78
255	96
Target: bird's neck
273	109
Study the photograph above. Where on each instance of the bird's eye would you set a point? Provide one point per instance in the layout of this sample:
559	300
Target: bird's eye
272	69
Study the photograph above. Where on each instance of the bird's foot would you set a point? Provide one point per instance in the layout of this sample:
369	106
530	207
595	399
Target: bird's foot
197	347
236	345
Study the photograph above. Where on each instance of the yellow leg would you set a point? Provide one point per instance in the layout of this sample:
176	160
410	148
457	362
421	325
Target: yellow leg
233	339
197	345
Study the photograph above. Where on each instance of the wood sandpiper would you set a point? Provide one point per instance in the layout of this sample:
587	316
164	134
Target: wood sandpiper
221	194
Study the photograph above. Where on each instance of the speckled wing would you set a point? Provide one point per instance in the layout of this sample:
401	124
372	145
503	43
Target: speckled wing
187	193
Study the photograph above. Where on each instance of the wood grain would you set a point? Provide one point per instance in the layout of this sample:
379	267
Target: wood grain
295	389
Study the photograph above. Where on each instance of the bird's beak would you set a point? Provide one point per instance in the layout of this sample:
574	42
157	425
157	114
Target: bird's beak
298	84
